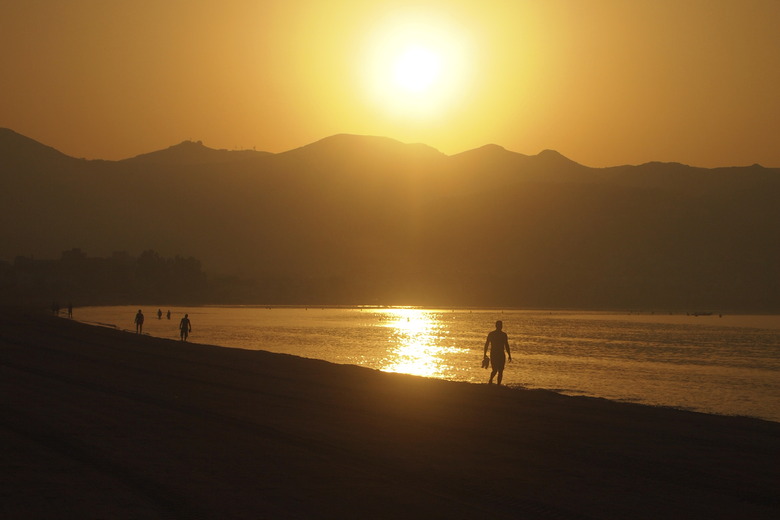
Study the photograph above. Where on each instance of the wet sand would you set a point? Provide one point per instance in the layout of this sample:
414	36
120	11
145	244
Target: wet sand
98	423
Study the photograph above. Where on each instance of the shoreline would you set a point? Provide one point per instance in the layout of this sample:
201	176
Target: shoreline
105	423
692	379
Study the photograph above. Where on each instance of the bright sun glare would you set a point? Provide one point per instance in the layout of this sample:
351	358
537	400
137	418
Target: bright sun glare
418	346
415	67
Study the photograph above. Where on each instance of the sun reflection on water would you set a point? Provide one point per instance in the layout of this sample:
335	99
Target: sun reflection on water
416	339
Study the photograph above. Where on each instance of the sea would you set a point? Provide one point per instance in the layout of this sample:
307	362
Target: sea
712	363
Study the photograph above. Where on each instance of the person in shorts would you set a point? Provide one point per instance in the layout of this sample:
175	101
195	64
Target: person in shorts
498	342
185	327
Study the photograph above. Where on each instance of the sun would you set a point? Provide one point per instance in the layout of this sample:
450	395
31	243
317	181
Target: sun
415	67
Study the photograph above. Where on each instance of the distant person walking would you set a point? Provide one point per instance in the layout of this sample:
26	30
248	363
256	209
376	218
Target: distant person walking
169	314
70	310
139	322
159	314
498	342
185	327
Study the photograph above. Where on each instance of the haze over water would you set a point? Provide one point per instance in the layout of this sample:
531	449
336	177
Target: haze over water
726	365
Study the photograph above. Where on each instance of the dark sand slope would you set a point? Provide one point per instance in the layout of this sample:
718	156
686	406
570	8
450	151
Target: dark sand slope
96	423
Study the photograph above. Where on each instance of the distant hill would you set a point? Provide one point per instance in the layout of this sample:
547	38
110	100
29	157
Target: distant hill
22	153
362	219
351	147
189	153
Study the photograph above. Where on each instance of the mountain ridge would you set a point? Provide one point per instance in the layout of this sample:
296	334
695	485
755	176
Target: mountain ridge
16	148
360	219
194	152
15	145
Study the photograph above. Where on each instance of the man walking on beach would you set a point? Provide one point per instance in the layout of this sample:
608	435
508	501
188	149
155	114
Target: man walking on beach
139	322
498	342
185	327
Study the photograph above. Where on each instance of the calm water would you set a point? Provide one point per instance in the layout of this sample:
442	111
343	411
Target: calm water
726	365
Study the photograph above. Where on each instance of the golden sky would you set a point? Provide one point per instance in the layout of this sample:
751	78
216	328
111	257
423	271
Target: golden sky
605	82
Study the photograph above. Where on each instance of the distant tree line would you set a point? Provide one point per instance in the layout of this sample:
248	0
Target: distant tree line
148	278
152	279
120	278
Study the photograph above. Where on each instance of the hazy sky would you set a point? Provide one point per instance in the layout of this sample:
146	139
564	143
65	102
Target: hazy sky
605	82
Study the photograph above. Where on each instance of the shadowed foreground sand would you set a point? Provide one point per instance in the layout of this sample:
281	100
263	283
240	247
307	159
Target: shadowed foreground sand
97	423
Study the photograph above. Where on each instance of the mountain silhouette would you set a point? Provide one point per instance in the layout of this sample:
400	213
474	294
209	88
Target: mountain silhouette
190	153
363	219
18	151
350	147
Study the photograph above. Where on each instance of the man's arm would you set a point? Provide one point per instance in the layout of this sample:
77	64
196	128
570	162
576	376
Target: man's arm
487	342
507	348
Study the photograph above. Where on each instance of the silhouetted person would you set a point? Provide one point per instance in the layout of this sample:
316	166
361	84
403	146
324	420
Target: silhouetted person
70	310
498	342
139	322
169	314
185	327
159	314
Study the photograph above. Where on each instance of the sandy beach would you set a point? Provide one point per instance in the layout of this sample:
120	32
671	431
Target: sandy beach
99	423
